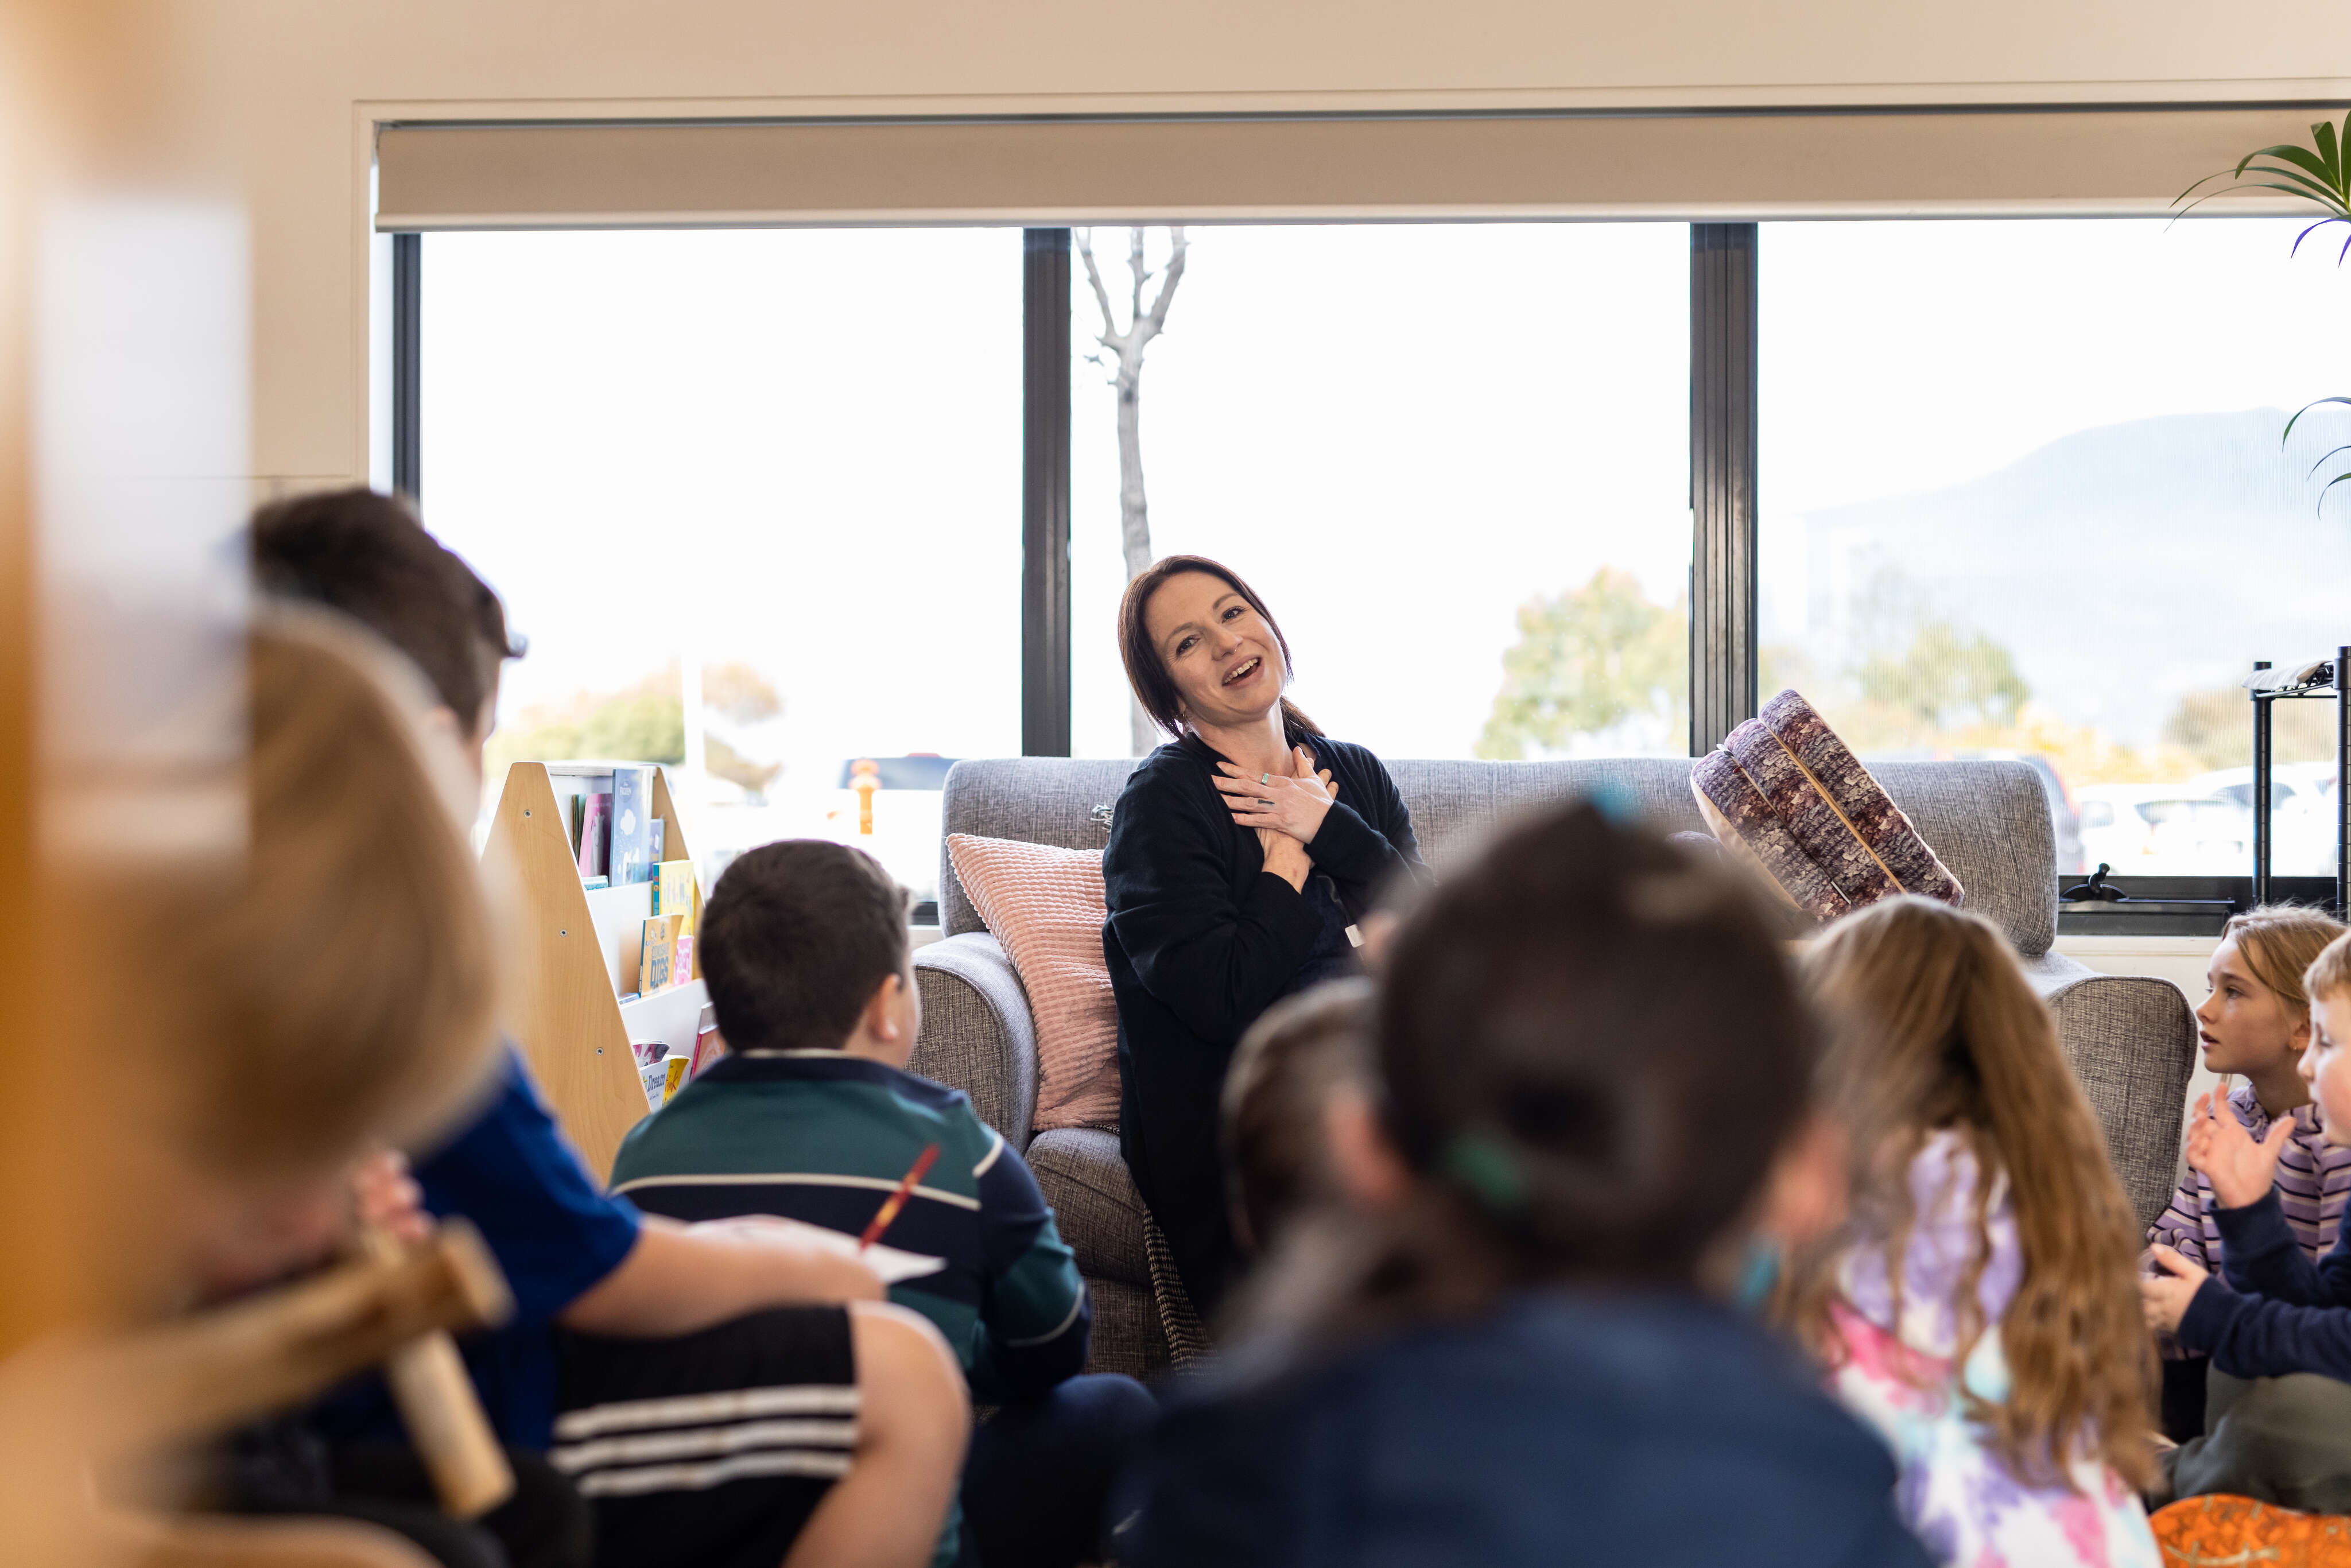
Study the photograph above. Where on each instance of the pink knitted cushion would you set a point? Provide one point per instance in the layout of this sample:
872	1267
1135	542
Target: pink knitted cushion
1045	905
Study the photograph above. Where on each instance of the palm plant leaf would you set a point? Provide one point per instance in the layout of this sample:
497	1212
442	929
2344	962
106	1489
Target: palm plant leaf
2305	409
2316	174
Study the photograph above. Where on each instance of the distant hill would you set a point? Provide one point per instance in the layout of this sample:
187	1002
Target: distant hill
2123	566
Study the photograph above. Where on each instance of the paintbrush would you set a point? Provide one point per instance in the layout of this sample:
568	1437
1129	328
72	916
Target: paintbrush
897	1200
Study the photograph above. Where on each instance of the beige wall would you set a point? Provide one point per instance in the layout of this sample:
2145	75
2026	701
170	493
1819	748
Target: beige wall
295	84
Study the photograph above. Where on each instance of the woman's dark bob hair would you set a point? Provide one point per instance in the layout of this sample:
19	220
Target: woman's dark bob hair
1146	672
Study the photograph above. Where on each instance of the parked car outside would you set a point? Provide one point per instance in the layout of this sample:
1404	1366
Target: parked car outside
2301	814
2164	829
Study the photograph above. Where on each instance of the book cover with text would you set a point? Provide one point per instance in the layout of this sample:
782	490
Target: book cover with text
632	806
674	892
658	954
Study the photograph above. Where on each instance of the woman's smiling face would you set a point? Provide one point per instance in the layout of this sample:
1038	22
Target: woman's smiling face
1223	657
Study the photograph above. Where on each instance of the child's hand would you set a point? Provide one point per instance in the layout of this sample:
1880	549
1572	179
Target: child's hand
2240	1169
388	1198
2165	1296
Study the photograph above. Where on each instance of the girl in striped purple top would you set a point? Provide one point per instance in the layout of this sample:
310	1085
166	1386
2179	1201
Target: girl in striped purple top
2254	1024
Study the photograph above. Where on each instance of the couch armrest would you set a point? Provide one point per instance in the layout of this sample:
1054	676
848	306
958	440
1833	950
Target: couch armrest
2131	1041
977	1034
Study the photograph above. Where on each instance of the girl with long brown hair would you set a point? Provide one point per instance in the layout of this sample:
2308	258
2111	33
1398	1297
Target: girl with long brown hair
1980	1308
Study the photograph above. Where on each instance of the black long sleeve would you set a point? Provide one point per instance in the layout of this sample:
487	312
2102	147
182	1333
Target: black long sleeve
1200	940
1213	959
2259	1256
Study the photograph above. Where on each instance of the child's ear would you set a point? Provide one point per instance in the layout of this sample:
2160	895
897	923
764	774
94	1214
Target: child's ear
1369	1171
882	1009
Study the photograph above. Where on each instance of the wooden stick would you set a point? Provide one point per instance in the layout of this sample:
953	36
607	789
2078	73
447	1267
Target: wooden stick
217	1368
443	1415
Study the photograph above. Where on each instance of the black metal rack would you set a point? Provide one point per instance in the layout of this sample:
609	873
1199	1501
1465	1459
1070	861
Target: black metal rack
2319	679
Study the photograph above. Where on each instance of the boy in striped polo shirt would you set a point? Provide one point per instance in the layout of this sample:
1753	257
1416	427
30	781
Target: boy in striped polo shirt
812	1116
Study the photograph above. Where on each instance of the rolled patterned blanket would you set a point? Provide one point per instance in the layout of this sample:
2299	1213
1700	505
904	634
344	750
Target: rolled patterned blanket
1783	792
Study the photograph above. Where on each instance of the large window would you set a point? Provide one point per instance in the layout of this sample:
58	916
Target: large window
1452	458
789	459
2022	494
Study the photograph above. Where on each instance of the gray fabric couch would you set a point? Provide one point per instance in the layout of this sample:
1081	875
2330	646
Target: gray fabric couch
2131	1041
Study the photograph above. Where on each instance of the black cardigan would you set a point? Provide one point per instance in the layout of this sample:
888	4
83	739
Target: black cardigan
1201	939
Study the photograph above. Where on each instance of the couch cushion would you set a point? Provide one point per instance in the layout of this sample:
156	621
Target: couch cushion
1045	906
1094	1201
1036	800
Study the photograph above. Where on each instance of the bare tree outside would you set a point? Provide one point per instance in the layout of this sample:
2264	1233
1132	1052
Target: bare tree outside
1122	355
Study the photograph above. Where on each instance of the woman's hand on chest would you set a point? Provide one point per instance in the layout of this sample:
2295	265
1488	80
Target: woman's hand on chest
1291	804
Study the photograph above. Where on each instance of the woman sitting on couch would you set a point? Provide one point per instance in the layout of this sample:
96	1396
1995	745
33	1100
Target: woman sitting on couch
1242	857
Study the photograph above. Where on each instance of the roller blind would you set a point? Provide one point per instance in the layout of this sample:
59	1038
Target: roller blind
539	174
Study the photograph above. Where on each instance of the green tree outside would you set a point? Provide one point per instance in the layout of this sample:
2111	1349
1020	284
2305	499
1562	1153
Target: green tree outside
646	723
1586	662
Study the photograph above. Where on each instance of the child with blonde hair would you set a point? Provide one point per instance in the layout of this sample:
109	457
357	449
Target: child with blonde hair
1979	1308
2254	1022
2279	1332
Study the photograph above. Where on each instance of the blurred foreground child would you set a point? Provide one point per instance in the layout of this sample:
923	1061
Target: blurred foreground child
1590	1060
716	1313
812	1116
1293	1064
2278	1424
1979	1309
2255	1023
339	990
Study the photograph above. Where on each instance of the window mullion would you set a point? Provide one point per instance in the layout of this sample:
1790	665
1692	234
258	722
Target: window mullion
1723	600
1045	493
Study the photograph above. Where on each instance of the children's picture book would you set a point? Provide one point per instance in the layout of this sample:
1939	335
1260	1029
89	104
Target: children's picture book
658	954
676	1073
632	843
681	963
673	892
577	814
595	834
707	1046
656	839
654	1072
